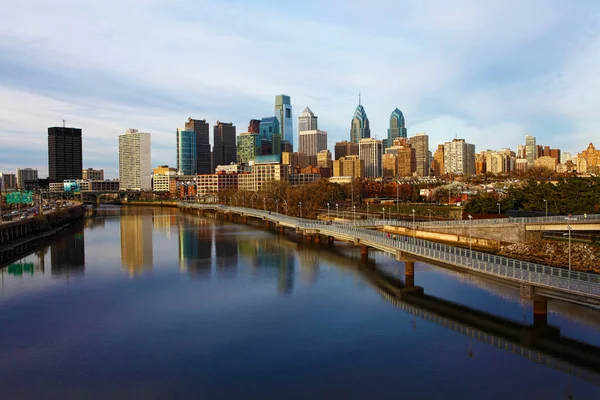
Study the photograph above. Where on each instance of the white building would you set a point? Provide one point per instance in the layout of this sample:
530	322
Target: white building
459	157
307	121
135	172
371	152
24	175
312	142
530	150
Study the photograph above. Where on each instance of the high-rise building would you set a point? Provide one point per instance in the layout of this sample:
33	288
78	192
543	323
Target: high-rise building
371	151
135	171
324	159
186	151
564	157
24	175
359	128
248	147
254	126
203	157
286	146
406	157
349	166
588	160
307	121
7	181
389	163
283	112
64	154
459	157
397	127
270	131
530	150
345	148
438	161
312	142
92	174
420	142
224	144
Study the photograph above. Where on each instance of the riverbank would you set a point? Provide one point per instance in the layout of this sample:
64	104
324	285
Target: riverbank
584	257
151	203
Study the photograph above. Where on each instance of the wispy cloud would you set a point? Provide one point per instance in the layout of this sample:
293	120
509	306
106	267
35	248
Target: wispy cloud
488	71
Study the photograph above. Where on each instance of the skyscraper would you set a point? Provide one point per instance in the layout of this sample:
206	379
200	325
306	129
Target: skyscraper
24	175
248	146
307	121
459	157
397	126
371	151
283	112
345	148
270	134
135	160
224	144
360	124
64	154
203	159
420	143
312	142
186	151
530	150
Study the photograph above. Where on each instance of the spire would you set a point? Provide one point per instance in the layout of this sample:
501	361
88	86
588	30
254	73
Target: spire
359	97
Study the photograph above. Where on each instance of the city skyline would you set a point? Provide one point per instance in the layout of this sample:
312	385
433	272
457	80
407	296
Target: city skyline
537	79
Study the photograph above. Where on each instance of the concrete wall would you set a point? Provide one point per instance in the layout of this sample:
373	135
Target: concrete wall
448	238
513	233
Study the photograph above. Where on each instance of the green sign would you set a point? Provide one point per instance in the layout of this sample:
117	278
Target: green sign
19	197
20	269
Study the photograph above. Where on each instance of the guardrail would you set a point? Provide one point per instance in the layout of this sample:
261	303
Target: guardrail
575	282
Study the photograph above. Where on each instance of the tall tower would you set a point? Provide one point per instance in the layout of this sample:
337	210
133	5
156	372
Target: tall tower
135	160
397	126
64	154
224	144
530	150
420	143
187	160
283	112
312	142
307	121
360	124
203	162
370	151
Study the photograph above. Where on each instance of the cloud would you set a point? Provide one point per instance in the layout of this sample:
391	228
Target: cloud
488	71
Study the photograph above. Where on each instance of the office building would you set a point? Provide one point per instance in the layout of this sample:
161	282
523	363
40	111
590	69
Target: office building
459	157
216	183
224	144
420	142
248	147
359	128
546	162
8	181
262	175
588	160
324	159
186	151
254	126
564	157
349	166
203	156
64	154
530	150
307	121
406	157
298	160
389	163
135	171
24	175
397	127
371	151
161	177
283	112
312	142
93	174
438	161
345	148
286	146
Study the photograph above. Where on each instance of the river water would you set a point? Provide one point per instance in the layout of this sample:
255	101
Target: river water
151	303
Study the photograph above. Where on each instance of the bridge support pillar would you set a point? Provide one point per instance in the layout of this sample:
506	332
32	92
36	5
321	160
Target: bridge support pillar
308	238
317	239
281	229
244	220
364	252
330	239
267	224
540	312
409	274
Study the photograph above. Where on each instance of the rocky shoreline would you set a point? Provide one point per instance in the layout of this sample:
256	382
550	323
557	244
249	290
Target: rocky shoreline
584	257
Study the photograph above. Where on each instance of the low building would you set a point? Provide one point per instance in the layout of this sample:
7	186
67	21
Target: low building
92	174
349	166
301	179
262	174
341	179
546	162
215	183
105	185
161	178
233	168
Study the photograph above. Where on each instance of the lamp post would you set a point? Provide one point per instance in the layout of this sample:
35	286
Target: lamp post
414	227
354	213
327	211
569	234
264	204
397	199
367	210
286	207
300	204
470	227
337	211
498	204
383	212
277	206
429	211
546	201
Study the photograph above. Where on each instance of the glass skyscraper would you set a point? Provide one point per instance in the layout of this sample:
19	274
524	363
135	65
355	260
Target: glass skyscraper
283	112
360	124
397	127
186	151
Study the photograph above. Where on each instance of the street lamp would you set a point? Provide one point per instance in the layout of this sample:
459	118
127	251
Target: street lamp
277	206
429	211
546	201
328	211
414	227
470	227
498	204
264	204
383	212
367	210
300	204
569	234
337	211
354	213
286	206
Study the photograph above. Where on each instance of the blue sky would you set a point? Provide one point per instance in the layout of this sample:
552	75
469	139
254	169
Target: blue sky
490	72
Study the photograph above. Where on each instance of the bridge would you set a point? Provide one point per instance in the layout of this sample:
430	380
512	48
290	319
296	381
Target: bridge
537	282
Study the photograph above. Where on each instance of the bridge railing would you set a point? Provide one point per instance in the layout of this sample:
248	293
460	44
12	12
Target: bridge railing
516	270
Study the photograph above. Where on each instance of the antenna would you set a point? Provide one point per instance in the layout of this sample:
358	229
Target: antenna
64	123
359	97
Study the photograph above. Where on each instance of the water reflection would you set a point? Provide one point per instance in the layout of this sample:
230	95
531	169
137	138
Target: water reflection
195	239
271	256
136	242
67	256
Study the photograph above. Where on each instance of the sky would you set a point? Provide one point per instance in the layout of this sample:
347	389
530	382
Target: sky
490	72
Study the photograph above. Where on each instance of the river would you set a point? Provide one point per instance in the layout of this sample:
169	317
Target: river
152	303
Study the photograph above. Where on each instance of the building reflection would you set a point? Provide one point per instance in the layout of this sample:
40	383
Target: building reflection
195	247
309	266
67	255
136	243
226	255
163	220
267	256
